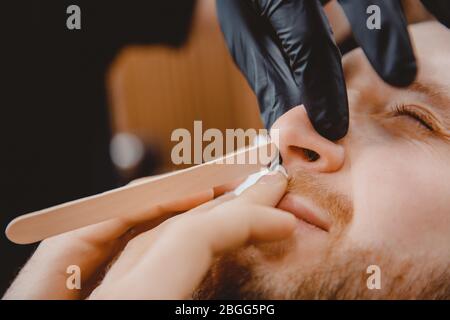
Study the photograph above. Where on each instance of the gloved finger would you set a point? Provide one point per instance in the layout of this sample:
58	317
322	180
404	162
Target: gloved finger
251	43
306	39
440	9
388	48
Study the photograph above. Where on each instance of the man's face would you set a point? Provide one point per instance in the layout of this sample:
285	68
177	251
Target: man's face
379	197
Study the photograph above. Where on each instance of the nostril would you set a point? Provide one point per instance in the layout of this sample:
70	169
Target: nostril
306	154
311	155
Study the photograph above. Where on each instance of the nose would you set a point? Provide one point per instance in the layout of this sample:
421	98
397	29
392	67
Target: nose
302	147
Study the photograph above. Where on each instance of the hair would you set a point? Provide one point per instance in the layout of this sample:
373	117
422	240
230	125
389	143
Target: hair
341	274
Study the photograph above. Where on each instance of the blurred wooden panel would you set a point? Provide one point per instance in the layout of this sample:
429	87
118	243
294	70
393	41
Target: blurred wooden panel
156	89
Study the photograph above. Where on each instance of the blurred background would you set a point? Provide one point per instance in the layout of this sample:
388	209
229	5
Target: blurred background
156	89
84	111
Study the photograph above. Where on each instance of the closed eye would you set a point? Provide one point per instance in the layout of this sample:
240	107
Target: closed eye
413	112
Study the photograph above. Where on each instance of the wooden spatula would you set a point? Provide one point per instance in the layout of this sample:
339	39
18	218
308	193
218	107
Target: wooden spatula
139	197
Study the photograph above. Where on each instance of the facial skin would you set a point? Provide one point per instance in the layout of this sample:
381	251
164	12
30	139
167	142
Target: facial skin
380	196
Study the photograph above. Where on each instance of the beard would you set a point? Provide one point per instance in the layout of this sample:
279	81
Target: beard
339	269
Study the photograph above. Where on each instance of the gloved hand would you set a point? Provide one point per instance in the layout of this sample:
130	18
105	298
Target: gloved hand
288	54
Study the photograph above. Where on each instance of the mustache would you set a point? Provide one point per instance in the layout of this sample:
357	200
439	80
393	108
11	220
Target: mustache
338	205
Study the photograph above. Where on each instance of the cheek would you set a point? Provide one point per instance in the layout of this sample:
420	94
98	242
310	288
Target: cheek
401	199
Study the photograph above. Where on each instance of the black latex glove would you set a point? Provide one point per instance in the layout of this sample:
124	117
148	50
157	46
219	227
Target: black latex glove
288	54
389	49
286	50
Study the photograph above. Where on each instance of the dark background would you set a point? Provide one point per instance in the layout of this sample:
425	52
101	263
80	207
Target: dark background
54	122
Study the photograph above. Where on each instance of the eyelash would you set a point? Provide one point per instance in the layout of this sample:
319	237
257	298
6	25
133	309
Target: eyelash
404	110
